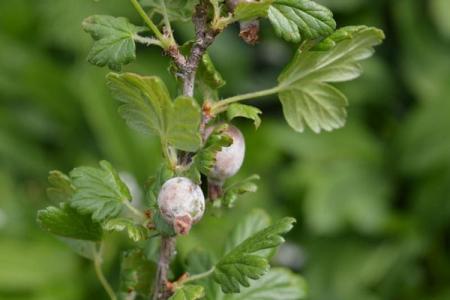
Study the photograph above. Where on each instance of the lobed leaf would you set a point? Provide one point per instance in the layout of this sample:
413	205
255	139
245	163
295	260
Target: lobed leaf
299	20
208	74
98	191
244	262
253	222
61	188
277	284
188	292
83	248
247	10
305	92
136	232
136	274
114	40
339	35
67	222
148	108
235	110
233	191
183	124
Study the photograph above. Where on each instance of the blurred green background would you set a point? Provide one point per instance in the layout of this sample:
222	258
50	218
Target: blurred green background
372	199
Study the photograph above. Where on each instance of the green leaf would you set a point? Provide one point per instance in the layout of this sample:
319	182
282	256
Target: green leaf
247	10
61	188
245	261
183	124
136	232
198	261
67	222
148	108
208	74
277	284
136	274
188	292
245	111
298	20
253	222
83	248
99	192
163	174
114	40
341	34
233	191
179	10
162	226
305	93
205	159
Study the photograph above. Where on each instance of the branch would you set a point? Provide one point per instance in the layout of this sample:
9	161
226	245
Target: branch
161	291
204	37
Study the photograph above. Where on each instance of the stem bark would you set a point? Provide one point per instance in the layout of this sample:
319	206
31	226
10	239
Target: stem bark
167	250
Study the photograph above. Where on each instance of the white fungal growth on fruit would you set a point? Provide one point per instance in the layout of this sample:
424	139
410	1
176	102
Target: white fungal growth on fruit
181	203
228	160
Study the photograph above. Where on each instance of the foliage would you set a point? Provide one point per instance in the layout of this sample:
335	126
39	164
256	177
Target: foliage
297	21
66	221
305	93
99	192
246	111
371	198
136	274
149	109
243	261
188	292
114	38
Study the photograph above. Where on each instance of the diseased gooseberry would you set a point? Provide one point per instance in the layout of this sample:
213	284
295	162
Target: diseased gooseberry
181	203
228	160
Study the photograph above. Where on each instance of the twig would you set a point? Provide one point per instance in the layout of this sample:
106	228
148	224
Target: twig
204	37
161	292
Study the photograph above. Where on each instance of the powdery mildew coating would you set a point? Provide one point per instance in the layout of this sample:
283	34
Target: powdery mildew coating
229	160
181	198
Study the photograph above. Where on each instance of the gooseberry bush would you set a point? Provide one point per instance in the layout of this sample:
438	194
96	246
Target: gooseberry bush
200	146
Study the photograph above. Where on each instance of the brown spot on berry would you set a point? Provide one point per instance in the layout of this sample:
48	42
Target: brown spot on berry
182	225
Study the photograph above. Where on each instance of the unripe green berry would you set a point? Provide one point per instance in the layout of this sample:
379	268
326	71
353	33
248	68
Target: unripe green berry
228	160
181	203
